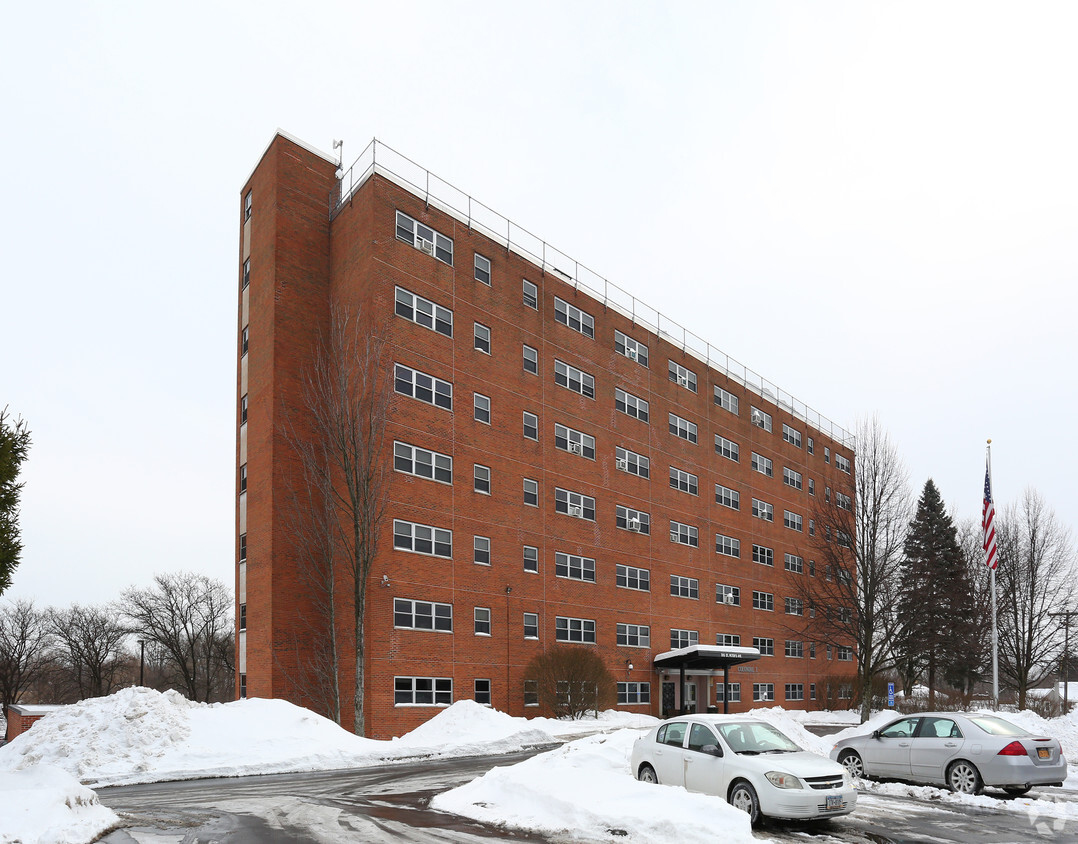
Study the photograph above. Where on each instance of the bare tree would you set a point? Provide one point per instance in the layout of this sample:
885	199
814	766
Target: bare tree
25	648
1035	578
188	619
339	444
90	649
572	681
859	538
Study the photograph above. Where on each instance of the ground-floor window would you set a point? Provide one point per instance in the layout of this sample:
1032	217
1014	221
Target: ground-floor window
763	691
795	691
422	691
733	688
630	693
531	692
482	692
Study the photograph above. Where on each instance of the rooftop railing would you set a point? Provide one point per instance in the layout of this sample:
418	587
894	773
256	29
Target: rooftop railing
433	190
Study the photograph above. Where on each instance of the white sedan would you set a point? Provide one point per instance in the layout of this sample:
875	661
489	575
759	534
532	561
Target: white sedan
749	763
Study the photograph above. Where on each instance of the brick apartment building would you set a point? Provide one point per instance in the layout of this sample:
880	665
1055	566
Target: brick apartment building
567	466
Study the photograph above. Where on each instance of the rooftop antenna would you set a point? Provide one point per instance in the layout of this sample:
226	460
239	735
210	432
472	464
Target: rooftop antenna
339	145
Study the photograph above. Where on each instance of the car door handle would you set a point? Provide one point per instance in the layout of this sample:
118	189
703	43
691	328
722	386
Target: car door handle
903	744
950	744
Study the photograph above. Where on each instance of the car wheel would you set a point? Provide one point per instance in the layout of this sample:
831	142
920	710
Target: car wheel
851	761
647	774
743	797
1017	790
963	778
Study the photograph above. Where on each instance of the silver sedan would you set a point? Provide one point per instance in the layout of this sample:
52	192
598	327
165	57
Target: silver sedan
963	751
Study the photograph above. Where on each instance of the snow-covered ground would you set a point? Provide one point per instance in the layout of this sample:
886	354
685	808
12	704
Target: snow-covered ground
581	789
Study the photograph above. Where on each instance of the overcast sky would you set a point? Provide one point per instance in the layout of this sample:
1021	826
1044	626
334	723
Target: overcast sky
873	205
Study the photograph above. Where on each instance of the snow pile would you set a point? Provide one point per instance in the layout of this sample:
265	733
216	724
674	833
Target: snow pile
470	728
46	805
584	791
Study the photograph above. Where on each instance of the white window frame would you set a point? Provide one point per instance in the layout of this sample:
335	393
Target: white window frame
684	587
683	428
635	521
727	497
574	567
763	601
793	521
531	295
684	481
573	441
630	348
438	388
423	312
632	693
480	260
794	649
727	448
419	234
632	463
795	691
684	534
631	405
791	435
791	477
531	488
531	623
531	431
763	692
633	635
728	546
631	577
580	630
763	465
681	376
728	595
735	692
794	563
727	400
566	376
531	363
680	638
481	338
760	418
416	532
480	621
481	550
572	317
843	463
794	606
440	691
440	615
764	556
530	554
574	504
764	644
728	640
481	408
412	460
763	510
482	479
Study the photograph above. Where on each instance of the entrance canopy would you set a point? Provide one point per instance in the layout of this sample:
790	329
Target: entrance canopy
706	658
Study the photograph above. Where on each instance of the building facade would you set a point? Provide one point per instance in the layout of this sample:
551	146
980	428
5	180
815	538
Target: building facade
558	471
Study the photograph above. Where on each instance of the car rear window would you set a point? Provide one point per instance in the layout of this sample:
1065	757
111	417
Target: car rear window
997	726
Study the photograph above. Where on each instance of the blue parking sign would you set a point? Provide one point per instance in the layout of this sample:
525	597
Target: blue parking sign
890	695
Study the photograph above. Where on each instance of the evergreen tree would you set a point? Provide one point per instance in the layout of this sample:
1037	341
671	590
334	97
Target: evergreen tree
935	607
14	446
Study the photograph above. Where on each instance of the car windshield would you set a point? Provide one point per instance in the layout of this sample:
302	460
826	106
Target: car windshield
997	726
750	739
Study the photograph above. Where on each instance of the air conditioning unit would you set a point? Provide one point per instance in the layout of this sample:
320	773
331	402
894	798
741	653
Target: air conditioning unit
683	380
634	524
575	510
757	418
730	599
622	464
674	537
574	448
426	246
630	354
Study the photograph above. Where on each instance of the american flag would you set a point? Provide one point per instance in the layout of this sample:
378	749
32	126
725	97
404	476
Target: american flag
988	523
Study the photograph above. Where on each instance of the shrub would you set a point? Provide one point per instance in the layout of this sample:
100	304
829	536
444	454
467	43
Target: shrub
572	681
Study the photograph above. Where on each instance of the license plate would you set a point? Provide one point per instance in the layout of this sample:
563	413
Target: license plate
1044	752
832	802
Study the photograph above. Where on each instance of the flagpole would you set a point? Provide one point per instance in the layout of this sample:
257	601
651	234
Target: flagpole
992	577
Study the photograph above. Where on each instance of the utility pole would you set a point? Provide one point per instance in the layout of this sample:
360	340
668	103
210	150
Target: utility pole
1066	615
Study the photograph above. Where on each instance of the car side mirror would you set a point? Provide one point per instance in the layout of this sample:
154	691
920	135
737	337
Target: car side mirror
875	734
711	750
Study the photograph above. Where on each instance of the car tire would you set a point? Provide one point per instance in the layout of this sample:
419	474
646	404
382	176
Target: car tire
1017	790
964	778
743	797
647	774
852	762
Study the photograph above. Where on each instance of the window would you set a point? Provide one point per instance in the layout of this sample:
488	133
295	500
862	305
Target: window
812	568
482	692
243	616
424	312
684	377
791	478
828	651
243	547
729	595
531	360
631	462
422	691
845	691
812	691
762	465
763	691
684	587
766	647
573	317
795	564
531	625
728	640
574	442
727	497
573	379
727	545
628	577
763	510
243	478
629	404
244	337
683	639
791	520
574	567
812	527
842	501
531	426
574	630
574	504
531	558
633	693
481	405
482	338
810	446
482	621
635	520
243	409
625	345
791	435
763	556
634	635
413	460
247	272
482	479
812	650
531	692
727	448
684	534
795	691
731	691
827	494
425	388
842	463
482	268
826	455
812	487
531	295
759	418
682	428
422	539
684	481
531	492
424	238
726	400
795	650
247	200
422	615
763	601
845	653
481	550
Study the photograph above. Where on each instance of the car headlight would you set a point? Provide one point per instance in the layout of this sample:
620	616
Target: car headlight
782	780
